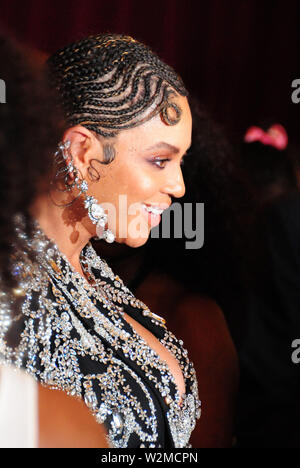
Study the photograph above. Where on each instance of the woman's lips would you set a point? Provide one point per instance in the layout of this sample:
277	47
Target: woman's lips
153	219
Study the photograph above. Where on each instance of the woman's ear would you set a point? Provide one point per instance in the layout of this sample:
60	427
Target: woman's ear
84	146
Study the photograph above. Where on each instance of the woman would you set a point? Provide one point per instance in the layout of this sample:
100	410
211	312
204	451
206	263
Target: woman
116	170
30	414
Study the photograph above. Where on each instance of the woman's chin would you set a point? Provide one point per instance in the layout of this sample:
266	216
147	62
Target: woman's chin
134	242
136	236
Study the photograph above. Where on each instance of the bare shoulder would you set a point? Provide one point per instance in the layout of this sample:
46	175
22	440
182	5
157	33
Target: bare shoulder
202	310
199	302
202	322
203	328
66	422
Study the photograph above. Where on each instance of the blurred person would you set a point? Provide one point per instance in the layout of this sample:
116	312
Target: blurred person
30	415
268	407
269	162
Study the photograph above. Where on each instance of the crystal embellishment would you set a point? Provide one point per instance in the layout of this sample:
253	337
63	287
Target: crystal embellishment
74	337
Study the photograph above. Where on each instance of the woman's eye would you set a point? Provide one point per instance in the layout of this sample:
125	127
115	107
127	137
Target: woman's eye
161	163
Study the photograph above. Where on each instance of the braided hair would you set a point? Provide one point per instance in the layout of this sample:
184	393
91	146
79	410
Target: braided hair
110	82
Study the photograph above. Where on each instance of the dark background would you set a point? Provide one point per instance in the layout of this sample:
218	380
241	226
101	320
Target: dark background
238	57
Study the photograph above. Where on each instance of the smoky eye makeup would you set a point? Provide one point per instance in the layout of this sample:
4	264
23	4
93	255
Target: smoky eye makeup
160	161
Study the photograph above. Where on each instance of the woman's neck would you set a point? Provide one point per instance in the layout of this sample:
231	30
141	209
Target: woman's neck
69	227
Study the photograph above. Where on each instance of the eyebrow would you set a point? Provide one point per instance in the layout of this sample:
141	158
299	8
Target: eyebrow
164	145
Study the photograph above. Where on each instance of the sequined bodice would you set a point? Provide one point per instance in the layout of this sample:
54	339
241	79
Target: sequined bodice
72	335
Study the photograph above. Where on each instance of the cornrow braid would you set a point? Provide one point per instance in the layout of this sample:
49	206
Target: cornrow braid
111	82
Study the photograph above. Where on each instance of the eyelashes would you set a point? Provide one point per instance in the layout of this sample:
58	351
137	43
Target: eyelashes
162	162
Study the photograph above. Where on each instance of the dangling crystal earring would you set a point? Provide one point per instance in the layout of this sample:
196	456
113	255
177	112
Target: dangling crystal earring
97	216
95	211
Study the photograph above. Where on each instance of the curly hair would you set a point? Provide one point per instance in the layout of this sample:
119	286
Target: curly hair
112	82
29	132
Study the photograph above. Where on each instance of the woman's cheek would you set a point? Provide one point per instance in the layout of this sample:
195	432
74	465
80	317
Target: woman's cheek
147	186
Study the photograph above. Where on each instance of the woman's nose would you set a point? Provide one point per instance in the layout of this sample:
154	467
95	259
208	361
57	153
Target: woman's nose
175	184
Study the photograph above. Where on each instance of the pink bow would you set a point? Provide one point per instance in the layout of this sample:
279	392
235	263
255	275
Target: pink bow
275	136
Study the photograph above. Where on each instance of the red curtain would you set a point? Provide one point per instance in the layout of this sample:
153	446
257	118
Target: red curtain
239	57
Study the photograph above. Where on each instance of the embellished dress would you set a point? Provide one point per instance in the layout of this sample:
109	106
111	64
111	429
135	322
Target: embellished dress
71	334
